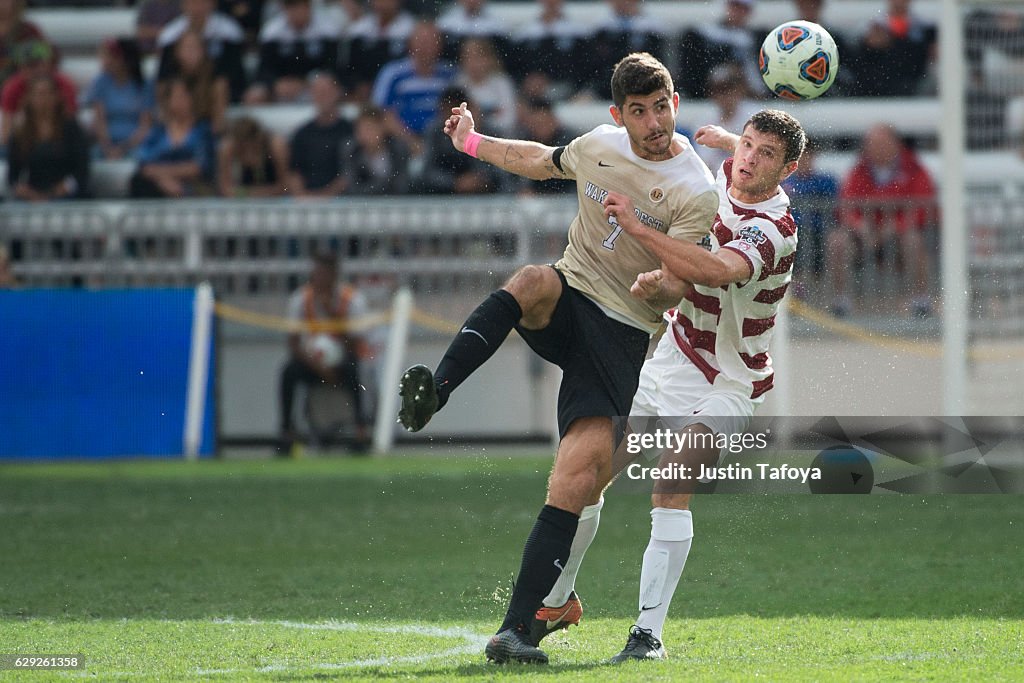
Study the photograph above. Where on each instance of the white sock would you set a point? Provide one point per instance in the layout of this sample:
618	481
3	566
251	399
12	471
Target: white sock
671	534
590	517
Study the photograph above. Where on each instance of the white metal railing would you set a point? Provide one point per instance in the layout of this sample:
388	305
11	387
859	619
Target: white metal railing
440	248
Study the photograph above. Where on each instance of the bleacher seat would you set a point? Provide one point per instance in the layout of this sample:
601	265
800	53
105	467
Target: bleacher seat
82	69
82	29
996	172
824	119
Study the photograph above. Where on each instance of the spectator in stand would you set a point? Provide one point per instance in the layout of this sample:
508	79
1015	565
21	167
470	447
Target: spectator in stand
994	44
377	38
701	49
538	122
7	277
469	19
998	32
813	194
34	59
378	162
323	300
191	63
409	89
176	159
886	201
122	101
549	55
733	108
49	152
15	32
319	146
484	79
152	17
295	43
247	13
251	161
445	170
221	35
627	29
897	38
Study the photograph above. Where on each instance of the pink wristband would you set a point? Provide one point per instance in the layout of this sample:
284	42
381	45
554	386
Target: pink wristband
472	142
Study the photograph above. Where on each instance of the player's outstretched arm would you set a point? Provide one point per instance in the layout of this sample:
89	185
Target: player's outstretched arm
717	137
522	157
684	260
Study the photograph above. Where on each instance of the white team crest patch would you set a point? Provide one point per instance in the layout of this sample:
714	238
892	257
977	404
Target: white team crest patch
657	194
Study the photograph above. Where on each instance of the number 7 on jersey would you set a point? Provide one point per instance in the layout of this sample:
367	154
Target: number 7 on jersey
609	241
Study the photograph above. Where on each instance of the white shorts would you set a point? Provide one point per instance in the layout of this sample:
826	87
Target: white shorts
673	389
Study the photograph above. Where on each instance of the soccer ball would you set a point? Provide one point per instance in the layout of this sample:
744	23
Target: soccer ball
325	349
798	60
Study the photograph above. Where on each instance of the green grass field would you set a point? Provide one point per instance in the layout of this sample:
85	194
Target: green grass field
399	568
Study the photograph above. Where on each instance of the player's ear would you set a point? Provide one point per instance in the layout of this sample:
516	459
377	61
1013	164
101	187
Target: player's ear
616	115
675	102
789	169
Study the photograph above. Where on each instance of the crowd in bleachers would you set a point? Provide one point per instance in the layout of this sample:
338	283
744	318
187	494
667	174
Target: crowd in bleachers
391	65
182	103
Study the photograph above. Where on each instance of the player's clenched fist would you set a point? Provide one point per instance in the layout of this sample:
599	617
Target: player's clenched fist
618	209
459	125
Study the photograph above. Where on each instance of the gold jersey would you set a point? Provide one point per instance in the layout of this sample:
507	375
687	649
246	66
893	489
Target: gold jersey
676	196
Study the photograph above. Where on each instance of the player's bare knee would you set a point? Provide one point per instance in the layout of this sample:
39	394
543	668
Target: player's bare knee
573	490
536	289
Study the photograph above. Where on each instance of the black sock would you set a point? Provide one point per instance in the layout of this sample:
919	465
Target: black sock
482	333
544	556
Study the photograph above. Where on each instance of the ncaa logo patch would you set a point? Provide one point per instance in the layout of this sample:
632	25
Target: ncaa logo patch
753	236
657	194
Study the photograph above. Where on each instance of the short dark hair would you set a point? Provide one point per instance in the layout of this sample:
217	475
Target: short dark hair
783	126
325	258
639	73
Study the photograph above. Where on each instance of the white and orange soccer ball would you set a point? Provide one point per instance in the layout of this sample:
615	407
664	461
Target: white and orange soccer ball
798	60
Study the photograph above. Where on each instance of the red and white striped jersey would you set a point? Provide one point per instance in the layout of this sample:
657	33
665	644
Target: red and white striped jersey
726	331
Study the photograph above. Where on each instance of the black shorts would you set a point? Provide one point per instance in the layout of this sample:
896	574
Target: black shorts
600	357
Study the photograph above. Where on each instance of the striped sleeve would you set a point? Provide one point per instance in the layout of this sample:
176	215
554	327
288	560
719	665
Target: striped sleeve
762	245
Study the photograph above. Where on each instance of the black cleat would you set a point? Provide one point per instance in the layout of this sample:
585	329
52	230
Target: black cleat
642	645
513	645
547	620
419	398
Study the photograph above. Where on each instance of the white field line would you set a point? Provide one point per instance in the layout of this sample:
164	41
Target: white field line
472	643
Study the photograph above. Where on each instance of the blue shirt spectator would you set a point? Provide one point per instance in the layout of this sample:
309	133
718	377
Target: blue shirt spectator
813	194
197	145
176	158
122	101
411	88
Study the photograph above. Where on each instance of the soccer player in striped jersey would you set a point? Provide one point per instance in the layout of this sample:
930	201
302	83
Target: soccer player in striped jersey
712	369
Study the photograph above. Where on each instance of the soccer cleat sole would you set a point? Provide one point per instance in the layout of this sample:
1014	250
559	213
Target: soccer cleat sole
505	647
419	398
652	656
